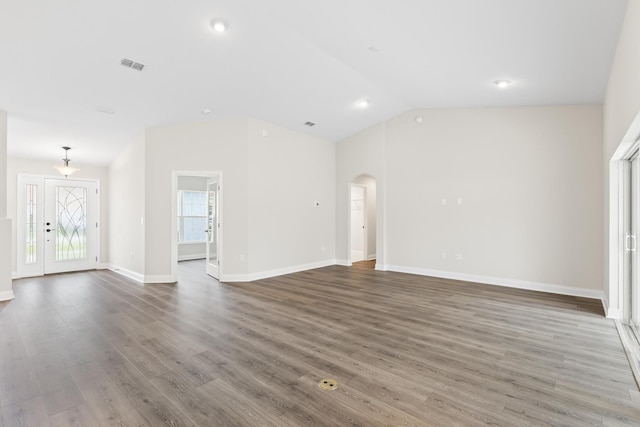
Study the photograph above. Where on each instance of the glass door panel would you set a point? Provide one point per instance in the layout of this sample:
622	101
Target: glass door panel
70	225
632	247
213	227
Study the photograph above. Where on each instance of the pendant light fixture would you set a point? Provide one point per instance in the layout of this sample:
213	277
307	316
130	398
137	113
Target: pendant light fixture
66	170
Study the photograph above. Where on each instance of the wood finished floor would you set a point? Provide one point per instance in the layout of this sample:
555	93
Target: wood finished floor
95	348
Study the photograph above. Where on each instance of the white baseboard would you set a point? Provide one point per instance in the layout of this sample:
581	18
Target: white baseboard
190	257
7	295
343	262
234	278
276	272
141	277
15	276
610	313
614	313
499	281
161	278
371	257
127	273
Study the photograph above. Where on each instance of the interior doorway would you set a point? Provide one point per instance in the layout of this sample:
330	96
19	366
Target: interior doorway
213	227
58	227
197	215
362	222
358	222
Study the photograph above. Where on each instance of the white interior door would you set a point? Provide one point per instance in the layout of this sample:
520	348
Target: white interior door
70	225
213	227
358	212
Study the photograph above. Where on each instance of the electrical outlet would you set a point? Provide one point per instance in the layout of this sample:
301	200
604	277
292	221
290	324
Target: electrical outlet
458	257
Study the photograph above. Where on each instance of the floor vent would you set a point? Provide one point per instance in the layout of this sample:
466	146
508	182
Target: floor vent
328	384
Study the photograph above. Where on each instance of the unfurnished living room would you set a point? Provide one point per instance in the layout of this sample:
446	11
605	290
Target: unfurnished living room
337	213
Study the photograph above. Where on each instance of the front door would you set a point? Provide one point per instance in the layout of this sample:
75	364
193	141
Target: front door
58	231
213	228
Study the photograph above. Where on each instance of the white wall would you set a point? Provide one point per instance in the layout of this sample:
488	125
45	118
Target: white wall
17	166
288	172
529	179
191	250
622	105
622	101
530	183
219	145
269	186
127	209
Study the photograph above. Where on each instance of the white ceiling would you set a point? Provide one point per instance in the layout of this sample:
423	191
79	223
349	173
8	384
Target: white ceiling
285	61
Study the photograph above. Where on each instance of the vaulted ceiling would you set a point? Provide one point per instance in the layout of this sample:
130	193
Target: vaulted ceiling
285	61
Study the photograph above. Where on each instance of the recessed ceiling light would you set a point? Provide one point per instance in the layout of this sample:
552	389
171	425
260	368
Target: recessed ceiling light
363	103
218	25
502	83
206	111
419	119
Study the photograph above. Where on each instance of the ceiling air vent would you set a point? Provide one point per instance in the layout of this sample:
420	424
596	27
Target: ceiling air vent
131	64
310	124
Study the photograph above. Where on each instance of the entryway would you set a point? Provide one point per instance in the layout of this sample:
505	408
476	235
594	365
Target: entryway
362	222
57	225
197	213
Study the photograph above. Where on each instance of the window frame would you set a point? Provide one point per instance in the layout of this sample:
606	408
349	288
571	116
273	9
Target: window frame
181	218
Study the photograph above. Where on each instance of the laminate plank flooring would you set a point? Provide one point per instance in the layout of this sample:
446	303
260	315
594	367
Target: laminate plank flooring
95	348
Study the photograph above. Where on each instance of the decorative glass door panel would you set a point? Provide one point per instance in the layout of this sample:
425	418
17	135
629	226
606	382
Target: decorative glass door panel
71	223
31	223
70	226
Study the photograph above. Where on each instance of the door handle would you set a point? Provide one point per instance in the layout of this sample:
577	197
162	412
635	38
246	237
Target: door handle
630	239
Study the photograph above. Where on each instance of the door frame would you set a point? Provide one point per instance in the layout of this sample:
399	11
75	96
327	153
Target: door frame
614	297
23	179
174	218
209	270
